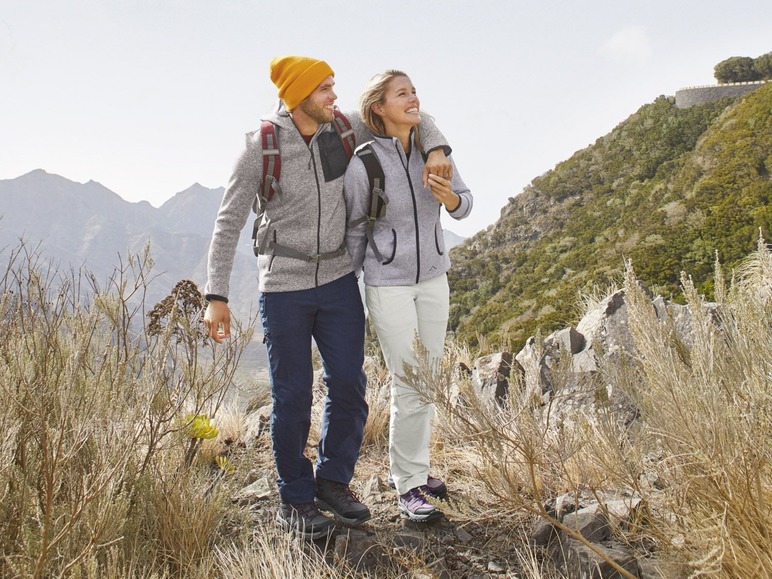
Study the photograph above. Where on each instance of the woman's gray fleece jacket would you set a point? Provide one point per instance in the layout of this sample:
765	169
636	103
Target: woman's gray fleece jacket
309	216
409	237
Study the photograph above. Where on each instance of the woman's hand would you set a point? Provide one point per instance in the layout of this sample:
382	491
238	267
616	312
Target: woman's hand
443	193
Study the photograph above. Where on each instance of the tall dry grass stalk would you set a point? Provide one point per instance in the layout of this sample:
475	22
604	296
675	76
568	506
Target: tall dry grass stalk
92	415
707	411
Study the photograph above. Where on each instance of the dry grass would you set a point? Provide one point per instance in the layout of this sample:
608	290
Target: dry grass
97	476
707	410
93	422
703	432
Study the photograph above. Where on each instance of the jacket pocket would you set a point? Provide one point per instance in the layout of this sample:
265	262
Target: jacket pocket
388	260
333	155
439	239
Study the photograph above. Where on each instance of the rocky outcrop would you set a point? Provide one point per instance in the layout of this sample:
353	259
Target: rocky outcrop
560	372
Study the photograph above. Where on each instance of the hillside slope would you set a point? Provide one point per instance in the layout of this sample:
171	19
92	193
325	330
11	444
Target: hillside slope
668	188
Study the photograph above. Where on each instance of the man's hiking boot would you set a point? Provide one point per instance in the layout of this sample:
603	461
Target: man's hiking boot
414	506
340	500
305	520
433	487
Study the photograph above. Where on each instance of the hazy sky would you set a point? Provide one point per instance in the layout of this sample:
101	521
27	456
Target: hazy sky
148	97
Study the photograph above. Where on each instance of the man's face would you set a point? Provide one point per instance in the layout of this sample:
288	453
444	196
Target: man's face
319	104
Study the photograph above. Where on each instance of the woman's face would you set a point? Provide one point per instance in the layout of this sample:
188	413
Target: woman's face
400	104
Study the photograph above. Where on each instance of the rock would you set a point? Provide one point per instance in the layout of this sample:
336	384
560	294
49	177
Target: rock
543	533
259	489
257	424
490	378
463	536
590	522
578	560
568	340
606	327
409	538
535	370
359	549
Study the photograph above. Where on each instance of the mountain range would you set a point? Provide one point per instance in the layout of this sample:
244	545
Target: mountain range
75	225
85	224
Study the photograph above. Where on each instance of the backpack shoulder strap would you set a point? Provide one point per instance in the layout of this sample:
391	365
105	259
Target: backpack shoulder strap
269	184
271	161
343	126
378	200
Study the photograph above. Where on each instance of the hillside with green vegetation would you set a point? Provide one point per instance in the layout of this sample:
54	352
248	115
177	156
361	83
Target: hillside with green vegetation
671	189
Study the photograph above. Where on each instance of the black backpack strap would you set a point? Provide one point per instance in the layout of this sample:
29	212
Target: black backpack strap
276	249
378	199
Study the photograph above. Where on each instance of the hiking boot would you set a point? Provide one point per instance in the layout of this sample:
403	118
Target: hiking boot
305	520
434	487
341	501
414	506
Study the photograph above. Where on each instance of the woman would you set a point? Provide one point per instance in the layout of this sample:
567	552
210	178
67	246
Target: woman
405	272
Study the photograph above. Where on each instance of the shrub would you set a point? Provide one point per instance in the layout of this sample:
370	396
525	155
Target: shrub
94	441
703	431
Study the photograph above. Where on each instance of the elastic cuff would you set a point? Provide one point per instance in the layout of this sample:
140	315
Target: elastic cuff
215	298
446	149
457	207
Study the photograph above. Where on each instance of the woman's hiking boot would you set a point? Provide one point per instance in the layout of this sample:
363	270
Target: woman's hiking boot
414	506
434	487
338	499
305	520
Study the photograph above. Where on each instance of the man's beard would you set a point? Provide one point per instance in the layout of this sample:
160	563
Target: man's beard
316	112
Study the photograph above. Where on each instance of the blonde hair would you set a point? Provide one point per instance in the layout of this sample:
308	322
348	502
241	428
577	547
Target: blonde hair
374	93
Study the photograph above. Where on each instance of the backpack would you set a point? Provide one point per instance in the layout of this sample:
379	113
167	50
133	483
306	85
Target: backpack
272	173
270	183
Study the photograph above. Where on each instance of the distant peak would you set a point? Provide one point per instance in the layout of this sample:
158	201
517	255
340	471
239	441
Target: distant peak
197	187
36	173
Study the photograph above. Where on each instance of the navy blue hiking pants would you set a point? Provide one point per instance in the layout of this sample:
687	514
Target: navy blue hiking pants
333	316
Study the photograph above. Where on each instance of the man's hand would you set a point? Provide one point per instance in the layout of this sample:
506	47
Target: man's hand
437	164
217	320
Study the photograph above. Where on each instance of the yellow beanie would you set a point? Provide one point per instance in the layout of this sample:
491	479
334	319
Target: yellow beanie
297	77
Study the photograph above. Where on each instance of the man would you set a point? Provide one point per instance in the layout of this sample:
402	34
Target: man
308	291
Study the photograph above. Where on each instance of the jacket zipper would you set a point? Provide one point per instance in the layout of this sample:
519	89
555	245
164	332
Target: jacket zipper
318	217
406	166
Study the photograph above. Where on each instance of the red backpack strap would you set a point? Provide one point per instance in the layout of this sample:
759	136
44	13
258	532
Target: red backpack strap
271	161
271	174
341	124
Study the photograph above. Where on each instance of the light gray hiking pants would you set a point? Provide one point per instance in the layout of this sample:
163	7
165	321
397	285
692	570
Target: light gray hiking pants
399	313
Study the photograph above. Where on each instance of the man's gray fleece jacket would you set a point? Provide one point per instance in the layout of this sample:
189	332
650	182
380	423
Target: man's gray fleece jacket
409	236
310	214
